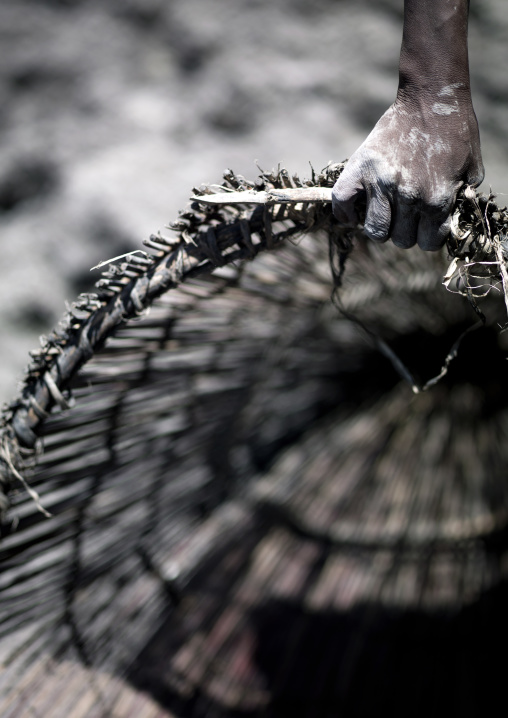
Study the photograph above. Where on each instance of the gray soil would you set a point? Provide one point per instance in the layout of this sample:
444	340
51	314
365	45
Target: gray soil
112	110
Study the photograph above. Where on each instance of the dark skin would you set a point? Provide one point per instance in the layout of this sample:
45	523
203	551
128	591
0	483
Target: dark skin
427	145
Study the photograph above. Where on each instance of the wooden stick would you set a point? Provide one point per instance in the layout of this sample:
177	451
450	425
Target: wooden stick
272	196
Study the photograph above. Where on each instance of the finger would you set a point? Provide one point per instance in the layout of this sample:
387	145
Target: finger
378	216
345	192
405	225
476	175
433	231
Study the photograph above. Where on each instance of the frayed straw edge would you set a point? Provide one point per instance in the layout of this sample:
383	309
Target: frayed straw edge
120	256
6	456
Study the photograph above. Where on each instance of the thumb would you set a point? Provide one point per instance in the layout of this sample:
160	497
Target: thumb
344	194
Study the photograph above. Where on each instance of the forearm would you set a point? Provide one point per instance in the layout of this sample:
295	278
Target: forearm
434	57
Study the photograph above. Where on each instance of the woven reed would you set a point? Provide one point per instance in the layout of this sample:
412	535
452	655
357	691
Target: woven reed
250	513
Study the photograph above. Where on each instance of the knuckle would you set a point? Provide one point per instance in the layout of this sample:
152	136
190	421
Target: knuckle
432	235
477	176
377	226
428	244
439	205
379	211
407	197
404	241
378	217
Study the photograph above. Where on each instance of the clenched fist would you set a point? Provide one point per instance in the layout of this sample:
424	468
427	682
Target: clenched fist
427	145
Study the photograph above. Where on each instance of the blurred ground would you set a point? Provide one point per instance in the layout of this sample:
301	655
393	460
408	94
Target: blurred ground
112	110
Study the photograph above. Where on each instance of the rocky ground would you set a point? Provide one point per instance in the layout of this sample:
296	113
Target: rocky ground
112	110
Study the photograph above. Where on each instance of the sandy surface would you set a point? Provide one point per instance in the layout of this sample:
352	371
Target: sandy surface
112	110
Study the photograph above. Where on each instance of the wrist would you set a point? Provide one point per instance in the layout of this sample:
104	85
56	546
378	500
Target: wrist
445	96
434	57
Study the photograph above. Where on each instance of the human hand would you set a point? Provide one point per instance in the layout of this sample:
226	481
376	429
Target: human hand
410	168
